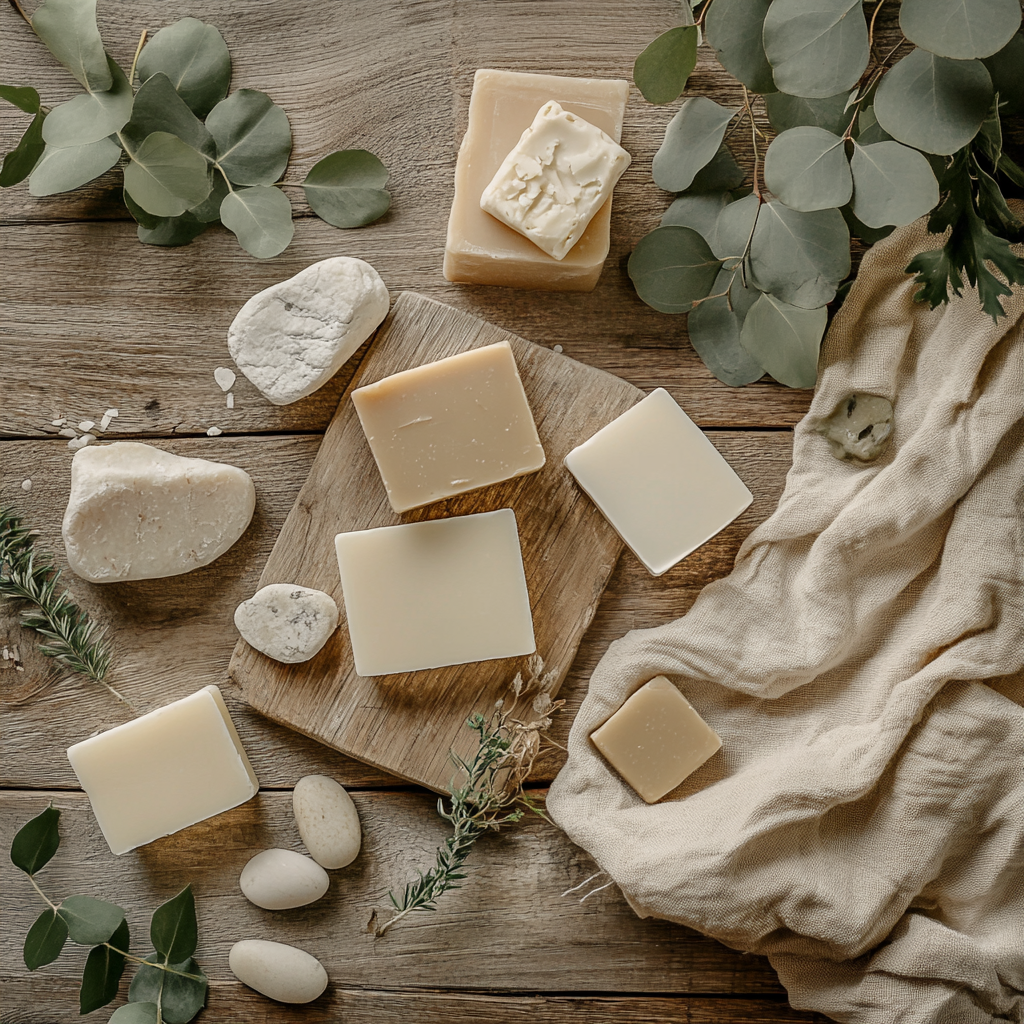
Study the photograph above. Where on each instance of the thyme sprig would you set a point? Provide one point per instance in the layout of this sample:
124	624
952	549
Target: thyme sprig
70	637
491	794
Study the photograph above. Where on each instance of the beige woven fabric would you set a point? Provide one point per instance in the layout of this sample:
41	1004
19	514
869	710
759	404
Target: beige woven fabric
863	824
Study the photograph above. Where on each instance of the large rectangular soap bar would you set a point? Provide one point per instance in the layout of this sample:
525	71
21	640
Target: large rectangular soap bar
448	427
482	250
164	771
441	592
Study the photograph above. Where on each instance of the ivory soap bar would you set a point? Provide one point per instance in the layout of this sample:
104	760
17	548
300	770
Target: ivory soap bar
164	771
442	592
450	427
482	250
656	739
659	481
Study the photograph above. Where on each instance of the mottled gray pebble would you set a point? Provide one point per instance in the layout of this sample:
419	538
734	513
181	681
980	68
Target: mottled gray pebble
859	428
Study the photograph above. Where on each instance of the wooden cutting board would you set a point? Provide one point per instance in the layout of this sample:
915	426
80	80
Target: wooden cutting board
407	723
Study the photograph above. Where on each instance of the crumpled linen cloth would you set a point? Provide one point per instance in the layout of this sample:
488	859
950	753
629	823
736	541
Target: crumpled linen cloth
863	824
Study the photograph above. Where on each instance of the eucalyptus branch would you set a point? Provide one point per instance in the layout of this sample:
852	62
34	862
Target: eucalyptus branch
135	59
871	28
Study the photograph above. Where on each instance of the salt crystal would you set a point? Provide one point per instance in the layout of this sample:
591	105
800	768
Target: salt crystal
26	485
59	422
556	348
68	432
112	413
105	422
224	377
86	425
81	442
214	432
231	400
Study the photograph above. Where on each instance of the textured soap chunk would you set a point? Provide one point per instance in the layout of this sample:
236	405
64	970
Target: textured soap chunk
328	821
287	622
138	513
160	773
656	739
282	879
442	592
860	428
560	173
293	337
659	481
285	973
479	248
449	427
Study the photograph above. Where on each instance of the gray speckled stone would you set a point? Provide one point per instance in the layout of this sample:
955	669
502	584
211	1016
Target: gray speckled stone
860	428
287	622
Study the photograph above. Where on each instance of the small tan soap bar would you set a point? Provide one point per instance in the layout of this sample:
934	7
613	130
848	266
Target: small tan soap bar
482	250
162	772
656	739
450	427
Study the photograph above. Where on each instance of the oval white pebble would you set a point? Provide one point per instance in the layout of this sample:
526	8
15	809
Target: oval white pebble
328	821
287	622
282	879
278	971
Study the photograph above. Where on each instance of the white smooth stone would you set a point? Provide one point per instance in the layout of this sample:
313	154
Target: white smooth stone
282	879
287	622
138	513
328	821
278	971
293	337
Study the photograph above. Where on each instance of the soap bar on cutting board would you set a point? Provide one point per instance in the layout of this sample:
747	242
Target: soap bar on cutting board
482	250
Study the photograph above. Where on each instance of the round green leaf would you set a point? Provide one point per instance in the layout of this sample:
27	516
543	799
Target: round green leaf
691	141
45	939
261	218
158	108
171	231
671	267
816	48
721	173
1007	77
173	930
19	162
960	29
714	330
785	340
729	238
807	169
68	28
166	177
89	920
734	30
699	212
60	170
662	69
180	998
208	211
933	103
24	97
91	116
254	139
195	58
858	230
103	970
134	1013
36	841
892	184
346	189
869	131
830	113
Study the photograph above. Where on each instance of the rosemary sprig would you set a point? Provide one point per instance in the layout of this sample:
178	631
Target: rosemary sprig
70	636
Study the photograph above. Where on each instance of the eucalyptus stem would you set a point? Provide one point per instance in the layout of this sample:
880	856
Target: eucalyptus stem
135	59
18	8
149	963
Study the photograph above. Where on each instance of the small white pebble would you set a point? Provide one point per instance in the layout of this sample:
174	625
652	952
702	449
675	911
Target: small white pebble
26	485
556	348
214	432
60	422
231	400
68	432
81	442
224	377
105	422
112	413
86	425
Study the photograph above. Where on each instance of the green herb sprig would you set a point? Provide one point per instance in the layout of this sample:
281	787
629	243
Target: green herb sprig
192	155
168	988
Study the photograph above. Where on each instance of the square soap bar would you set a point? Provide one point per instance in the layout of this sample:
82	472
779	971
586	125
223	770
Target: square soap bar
482	250
450	427
164	771
659	481
441	592
656	739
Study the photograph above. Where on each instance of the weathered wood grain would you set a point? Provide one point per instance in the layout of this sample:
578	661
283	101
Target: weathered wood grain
173	636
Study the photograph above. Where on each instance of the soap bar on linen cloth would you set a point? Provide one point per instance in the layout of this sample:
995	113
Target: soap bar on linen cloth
162	772
137	512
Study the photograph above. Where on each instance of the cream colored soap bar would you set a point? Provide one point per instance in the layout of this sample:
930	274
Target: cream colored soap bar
442	592
449	427
164	771
659	481
482	250
656	739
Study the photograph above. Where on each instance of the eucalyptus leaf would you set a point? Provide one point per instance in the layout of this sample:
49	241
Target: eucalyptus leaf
933	103
208	211
103	970
254	139
699	212
785	339
1007	76
992	206
141	216
714	330
45	939
181	998
158	108
671	268
68	29
785	112
721	173
36	841
195	58
661	71
261	218
173	930
892	184
134	1013
691	141
346	189
733	229
172	231
816	48
869	131
60	170
960	29
858	230
18	164
735	29
24	97
91	116
90	920
166	177
807	169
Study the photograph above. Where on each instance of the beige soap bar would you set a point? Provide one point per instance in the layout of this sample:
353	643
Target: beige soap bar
659	481
450	427
164	771
656	739
441	592
482	250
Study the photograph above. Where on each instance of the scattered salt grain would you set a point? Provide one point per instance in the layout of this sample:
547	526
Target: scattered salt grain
231	400
68	432
26	485
59	422
556	348
81	442
86	425
111	413
224	377
104	423
214	432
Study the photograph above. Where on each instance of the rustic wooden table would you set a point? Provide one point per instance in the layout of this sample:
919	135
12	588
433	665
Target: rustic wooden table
95	320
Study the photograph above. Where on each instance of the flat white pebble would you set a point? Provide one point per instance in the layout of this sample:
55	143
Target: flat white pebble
214	432
278	971
81	442
328	821
224	377
26	485
282	879
86	425
287	622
